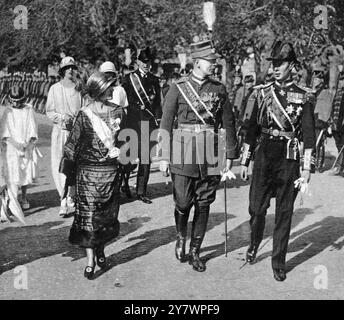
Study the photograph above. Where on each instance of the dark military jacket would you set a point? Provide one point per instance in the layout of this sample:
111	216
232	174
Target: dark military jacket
292	113
177	111
337	113
135	113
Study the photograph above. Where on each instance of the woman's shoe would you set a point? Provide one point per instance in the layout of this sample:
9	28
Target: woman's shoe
101	259
25	204
89	271
63	211
63	208
70	204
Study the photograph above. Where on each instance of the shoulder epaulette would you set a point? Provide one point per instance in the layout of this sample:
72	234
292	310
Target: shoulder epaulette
263	86
309	94
182	79
215	81
306	89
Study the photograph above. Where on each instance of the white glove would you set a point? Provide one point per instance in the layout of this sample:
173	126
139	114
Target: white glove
228	174
114	152
302	185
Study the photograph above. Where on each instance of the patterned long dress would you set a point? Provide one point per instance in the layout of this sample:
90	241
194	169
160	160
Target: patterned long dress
97	184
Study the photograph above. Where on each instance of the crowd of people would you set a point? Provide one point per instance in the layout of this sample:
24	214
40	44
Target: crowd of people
90	112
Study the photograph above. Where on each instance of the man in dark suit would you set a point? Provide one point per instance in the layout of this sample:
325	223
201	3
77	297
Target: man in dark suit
144	111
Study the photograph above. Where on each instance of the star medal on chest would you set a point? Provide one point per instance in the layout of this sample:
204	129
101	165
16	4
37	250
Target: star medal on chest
282	93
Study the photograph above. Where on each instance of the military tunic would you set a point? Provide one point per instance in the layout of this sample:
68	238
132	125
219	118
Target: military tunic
194	182
281	119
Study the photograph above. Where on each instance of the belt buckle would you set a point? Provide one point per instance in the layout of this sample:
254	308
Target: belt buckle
198	128
275	132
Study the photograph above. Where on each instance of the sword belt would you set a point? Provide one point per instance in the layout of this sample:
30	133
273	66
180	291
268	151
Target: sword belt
278	133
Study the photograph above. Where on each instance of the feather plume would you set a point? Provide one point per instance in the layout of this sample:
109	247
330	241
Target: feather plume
209	14
127	54
182	60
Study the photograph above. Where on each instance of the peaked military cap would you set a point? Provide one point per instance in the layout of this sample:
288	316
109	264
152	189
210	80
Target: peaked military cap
283	51
203	50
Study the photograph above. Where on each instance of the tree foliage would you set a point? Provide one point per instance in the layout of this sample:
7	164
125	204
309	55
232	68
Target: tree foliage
103	28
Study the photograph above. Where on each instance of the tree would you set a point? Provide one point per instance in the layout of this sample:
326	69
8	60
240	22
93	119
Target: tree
103	28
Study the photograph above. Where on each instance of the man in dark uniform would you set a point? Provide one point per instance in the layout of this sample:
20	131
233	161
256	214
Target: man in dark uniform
337	125
143	92
200	105
282	116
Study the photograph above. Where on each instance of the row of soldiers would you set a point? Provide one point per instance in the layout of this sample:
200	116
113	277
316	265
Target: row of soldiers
36	89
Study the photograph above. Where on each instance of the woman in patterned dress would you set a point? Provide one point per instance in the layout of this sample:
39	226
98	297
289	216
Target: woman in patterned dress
92	147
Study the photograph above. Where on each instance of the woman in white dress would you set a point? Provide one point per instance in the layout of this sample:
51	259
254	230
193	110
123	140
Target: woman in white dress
63	104
18	134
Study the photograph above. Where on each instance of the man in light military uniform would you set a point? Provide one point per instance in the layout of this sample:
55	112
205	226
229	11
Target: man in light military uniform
200	106
282	117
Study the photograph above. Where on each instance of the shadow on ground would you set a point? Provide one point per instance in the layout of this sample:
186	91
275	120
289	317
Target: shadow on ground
22	245
42	200
152	240
308	241
240	236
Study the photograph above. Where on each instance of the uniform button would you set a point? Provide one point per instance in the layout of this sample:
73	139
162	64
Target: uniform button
281	138
271	137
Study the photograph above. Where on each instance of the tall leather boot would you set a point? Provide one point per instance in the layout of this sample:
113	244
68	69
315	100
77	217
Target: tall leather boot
181	220
257	223
199	226
194	259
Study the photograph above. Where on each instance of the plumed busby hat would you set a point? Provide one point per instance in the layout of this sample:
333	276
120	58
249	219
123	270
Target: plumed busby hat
283	51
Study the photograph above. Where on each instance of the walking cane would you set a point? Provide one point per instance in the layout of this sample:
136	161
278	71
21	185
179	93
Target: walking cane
225	190
230	175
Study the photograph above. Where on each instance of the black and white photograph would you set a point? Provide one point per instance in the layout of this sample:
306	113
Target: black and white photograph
186	152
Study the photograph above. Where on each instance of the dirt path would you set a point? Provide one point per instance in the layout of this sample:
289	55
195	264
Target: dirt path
142	262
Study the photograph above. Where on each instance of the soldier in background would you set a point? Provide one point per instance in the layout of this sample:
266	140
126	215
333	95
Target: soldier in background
337	124
143	92
282	116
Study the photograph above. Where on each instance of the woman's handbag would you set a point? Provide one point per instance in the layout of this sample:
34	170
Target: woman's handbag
68	168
